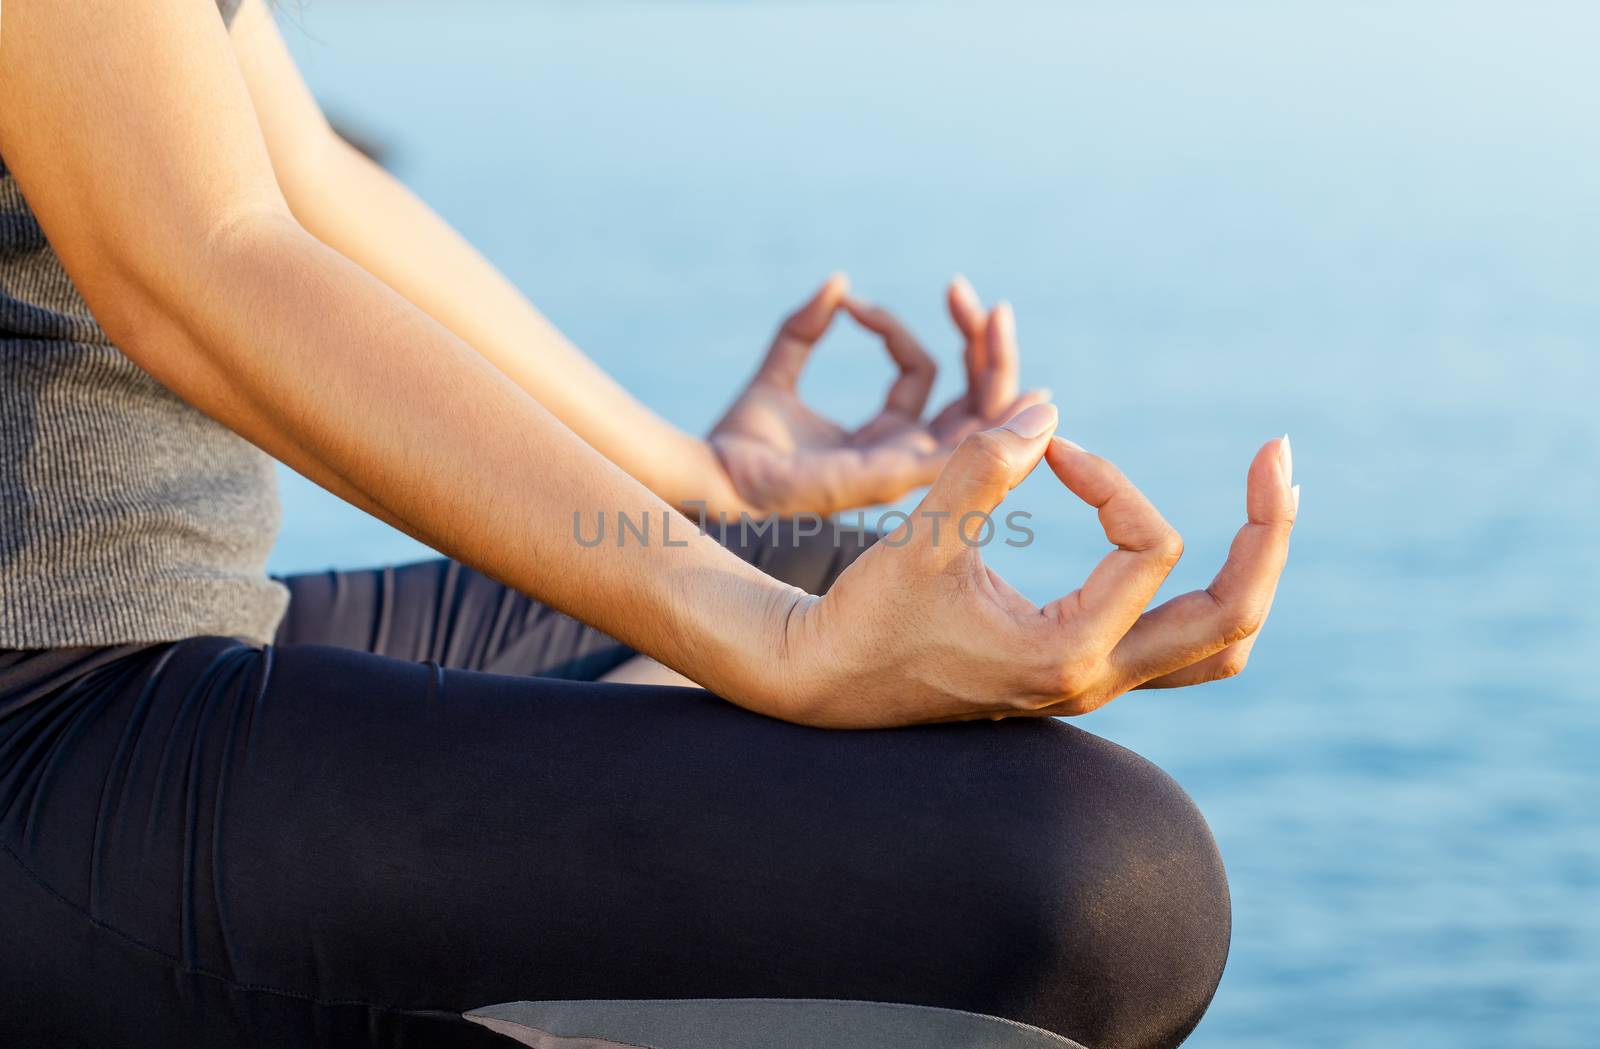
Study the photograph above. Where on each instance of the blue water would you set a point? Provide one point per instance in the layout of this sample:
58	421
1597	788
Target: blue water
1375	227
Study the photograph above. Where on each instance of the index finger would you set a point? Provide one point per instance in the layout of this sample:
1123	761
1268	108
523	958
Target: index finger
1147	547
908	395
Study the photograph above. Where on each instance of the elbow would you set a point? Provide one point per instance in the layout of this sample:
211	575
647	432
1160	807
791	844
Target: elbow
172	298
198	320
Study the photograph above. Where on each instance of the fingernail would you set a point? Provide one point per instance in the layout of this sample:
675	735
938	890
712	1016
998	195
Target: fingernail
964	286
1074	445
1006	319
1286	459
1295	492
1031	422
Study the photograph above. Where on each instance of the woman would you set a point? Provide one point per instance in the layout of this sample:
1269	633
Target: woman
351	808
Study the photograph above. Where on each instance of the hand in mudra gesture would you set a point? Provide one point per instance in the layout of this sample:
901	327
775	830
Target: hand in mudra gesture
783	457
919	629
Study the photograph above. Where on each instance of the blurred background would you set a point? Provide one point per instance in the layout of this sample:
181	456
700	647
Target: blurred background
1374	226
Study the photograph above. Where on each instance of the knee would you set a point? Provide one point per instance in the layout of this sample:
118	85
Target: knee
1107	904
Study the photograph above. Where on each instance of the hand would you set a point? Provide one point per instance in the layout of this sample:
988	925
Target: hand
782	457
920	630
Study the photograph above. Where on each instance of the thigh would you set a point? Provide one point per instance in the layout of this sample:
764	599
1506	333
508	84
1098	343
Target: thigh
361	845
447	613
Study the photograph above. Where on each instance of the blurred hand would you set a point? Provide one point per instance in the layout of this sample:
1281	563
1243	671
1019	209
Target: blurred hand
919	629
780	456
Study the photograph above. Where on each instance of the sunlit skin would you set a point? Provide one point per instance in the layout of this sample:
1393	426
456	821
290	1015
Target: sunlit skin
278	281
780	456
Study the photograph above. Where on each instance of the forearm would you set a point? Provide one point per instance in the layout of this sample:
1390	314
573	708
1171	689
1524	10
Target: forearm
311	358
357	208
192	263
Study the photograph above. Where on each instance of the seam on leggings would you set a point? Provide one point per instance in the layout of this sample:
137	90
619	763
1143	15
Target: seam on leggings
245	708
118	771
192	970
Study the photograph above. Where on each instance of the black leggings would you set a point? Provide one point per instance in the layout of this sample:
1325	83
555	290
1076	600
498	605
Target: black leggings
415	806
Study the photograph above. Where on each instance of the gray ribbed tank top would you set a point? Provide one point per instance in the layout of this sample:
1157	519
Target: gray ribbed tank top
125	514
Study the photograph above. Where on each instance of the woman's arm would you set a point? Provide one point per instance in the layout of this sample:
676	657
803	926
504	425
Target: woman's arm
131	133
358	209
770	452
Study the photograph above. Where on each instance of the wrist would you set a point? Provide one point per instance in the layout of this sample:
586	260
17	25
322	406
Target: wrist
705	491
794	668
768	675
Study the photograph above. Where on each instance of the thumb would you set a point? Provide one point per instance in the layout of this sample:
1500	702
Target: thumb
989	463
